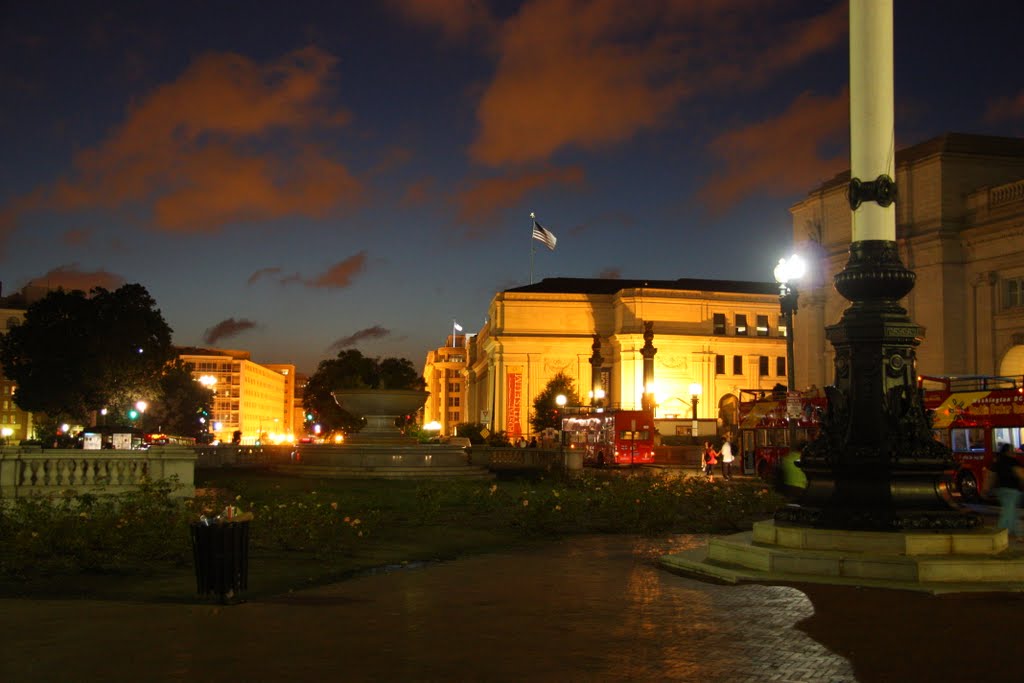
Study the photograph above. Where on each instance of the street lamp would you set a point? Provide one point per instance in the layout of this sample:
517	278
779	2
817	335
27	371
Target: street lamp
695	389
786	272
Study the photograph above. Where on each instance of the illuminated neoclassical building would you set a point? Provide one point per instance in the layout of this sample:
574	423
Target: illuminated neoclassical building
723	335
960	228
444	373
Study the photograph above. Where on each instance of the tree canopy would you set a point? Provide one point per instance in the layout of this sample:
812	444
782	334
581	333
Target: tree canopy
352	370
181	406
546	412
74	354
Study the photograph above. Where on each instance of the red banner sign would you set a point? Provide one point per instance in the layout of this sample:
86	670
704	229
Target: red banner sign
514	397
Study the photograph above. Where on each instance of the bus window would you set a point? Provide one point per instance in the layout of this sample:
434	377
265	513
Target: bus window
968	440
1010	435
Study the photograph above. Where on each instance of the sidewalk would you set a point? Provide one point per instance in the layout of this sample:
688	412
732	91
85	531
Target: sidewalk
584	609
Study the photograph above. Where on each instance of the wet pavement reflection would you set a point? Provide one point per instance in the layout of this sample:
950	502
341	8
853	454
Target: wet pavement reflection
583	609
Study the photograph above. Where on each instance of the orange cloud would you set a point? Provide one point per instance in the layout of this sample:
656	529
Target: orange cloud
227	328
781	155
189	147
340	274
487	197
70	277
375	332
591	73
1005	109
567	77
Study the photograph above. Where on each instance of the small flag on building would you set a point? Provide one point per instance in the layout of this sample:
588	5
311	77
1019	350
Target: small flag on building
544	235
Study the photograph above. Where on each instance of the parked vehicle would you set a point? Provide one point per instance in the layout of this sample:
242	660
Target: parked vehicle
766	421
973	415
612	437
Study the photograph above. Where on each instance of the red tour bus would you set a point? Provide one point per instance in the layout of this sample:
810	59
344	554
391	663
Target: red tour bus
612	437
973	416
764	423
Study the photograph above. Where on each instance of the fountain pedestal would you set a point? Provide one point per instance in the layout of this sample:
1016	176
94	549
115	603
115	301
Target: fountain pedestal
380	449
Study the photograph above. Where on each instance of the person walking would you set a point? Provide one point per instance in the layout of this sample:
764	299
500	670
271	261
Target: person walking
708	460
1007	476
727	458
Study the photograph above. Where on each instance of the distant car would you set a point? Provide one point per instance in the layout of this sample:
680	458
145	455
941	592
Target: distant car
306	439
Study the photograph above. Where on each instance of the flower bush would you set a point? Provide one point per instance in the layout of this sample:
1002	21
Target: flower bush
148	530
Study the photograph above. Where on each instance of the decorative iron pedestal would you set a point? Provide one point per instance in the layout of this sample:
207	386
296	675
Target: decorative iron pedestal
875	464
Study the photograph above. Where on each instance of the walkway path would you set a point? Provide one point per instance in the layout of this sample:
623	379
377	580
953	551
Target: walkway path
586	609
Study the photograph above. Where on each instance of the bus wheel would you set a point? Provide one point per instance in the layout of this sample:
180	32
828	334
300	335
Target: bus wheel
967	485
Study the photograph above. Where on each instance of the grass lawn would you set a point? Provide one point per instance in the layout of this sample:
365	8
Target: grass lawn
309	532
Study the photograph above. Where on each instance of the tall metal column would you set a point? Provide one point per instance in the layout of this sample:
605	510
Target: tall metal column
875	465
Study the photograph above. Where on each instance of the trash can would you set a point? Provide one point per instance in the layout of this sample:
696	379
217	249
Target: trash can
221	554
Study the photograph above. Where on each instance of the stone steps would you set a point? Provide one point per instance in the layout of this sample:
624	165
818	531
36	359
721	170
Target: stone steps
937	562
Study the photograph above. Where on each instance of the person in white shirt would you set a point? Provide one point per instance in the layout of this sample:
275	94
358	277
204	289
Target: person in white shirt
726	458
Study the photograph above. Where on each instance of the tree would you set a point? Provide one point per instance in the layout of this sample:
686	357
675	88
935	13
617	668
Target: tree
546	411
75	354
352	370
182	405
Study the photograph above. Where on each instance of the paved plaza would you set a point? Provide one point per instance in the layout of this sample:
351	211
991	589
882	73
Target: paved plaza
585	609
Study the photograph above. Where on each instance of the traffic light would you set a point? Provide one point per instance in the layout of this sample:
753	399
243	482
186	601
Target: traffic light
133	414
309	417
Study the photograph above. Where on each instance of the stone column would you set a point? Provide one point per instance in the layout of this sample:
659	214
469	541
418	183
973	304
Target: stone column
596	362
648	351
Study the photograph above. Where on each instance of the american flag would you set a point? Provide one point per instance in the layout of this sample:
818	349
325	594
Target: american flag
544	235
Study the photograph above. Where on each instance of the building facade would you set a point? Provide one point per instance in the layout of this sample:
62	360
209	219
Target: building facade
15	424
721	335
960	228
445	374
255	399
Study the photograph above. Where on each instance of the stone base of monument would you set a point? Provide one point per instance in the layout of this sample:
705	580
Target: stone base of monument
354	460
976	560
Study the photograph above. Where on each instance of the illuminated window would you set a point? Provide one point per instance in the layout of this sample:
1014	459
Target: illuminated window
762	326
741	324
719	320
782	326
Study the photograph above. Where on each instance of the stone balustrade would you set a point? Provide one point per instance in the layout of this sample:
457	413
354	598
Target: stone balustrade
29	470
1005	194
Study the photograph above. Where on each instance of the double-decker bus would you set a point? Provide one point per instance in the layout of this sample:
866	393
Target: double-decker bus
974	415
612	437
766	419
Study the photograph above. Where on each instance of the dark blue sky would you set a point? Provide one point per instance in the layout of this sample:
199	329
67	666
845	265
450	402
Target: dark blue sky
294	178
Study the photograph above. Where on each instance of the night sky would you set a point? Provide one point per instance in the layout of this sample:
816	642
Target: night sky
296	178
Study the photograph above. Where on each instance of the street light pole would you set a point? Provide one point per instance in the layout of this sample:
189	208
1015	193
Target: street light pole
695	390
786	272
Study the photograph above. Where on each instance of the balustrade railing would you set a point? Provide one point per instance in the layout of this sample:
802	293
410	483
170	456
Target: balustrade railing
1005	194
28	471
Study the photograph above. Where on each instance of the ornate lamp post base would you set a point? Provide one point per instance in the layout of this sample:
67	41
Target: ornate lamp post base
875	464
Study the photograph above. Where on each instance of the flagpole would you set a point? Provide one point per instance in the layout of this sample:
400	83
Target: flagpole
533	243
